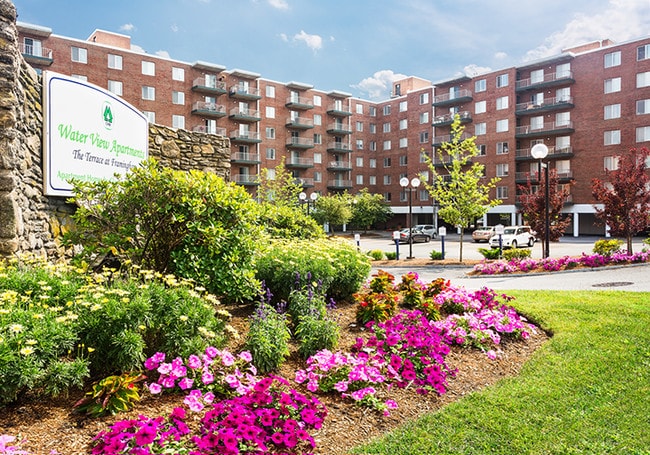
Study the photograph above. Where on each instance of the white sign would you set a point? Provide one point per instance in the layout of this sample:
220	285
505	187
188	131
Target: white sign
89	134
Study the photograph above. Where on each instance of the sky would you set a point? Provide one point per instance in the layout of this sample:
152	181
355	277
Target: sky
355	46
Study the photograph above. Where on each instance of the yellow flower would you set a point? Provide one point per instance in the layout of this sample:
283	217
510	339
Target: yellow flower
183	318
91	349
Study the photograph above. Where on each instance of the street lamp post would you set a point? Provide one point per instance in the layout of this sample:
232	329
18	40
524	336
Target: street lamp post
312	199
415	183
539	152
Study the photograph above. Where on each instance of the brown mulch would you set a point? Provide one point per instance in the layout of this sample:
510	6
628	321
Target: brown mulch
48	424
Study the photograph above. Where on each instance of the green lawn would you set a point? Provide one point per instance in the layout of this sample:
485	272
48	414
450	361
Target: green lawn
586	391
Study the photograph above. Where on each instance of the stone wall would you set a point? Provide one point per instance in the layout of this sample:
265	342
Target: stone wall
29	220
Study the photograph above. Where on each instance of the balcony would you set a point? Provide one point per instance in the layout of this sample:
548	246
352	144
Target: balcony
543	130
448	119
553	153
299	103
523	177
209	130
239	92
300	143
549	80
246	137
246	179
548	104
299	123
339	166
208	109
439	140
296	162
339	147
338	128
338	110
449	99
304	182
245	158
446	161
35	54
210	86
339	184
244	115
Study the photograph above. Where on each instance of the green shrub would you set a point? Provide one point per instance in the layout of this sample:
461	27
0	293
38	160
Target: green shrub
286	222
315	334
489	253
607	247
377	300
391	255
111	395
192	224
513	253
268	338
435	255
376	255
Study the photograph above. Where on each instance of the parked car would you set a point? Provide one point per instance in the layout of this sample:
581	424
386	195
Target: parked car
483	234
429	229
418	236
514	236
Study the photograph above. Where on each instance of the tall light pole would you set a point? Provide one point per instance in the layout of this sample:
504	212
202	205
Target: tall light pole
302	197
415	183
539	152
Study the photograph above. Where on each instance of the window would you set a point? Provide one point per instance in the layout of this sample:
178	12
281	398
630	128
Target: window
178	121
387	145
387	162
482	149
386	127
270	174
373	128
151	116
480	107
403	106
178	98
502	125
502	103
33	47
359	144
372	111
318	120
387	109
372	163
424	137
643	52
270	112
423	195
642	107
359	108
148	93
502	148
270	132
612	111
318	158
612	137
115	61
373	146
359	179
537	123
502	170
318	138
388	197
479	128
424	98
502	80
387	179
359	126
318	177
402	196
537	76
178	74
359	161
115	87
563	119
643	134
563	70
270	153
372	180
643	79
424	117
403	160
79	54
270	91
563	95
149	68
502	192
480	85
610	163
613	59
403	124
81	77
318	100
613	85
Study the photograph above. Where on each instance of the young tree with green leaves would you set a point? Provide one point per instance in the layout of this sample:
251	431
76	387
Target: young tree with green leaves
459	192
625	196
369	209
282	189
333	209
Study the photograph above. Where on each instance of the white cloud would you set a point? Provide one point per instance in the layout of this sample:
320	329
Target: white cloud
127	27
501	55
379	85
136	48
284	37
621	21
474	70
279	4
163	54
174	28
314	42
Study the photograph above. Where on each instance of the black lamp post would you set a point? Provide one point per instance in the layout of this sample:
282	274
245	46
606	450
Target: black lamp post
415	183
312	199
539	152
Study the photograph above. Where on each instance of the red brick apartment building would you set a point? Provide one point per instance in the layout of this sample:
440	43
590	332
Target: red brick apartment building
587	104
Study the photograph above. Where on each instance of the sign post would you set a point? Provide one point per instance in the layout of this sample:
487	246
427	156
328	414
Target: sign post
396	239
442	232
498	230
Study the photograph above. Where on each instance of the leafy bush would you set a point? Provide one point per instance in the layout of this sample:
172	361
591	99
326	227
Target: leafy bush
376	255
268	338
489	253
190	223
513	253
391	255
377	299
111	395
315	333
435	255
607	247
283	221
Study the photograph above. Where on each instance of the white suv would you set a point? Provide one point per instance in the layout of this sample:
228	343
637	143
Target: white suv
514	236
428	229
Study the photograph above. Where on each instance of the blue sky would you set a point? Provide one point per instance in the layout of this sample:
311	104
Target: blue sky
356	46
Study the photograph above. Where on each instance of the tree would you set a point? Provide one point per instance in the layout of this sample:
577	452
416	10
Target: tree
333	209
533	207
461	196
625	196
369	209
282	189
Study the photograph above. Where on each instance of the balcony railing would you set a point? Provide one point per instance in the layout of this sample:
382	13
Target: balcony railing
241	157
547	104
300	122
300	142
208	85
338	109
339	166
300	162
552	151
36	54
448	119
244	136
548	127
304	182
340	147
208	109
209	130
339	184
246	179
299	102
548	80
338	128
458	97
246	93
244	114
437	140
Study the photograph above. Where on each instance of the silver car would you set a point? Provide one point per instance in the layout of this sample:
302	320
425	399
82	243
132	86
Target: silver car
428	229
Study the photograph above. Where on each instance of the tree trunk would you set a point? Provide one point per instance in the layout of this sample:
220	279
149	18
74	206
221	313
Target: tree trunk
460	257
629	244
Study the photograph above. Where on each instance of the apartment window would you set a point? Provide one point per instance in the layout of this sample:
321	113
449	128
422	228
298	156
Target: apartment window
563	119
115	61
403	160
318	138
178	121
612	137
643	79
373	146
480	85
387	162
115	87
270	91
270	174
613	85
387	179
643	52
80	77
372	111
502	192
148	93
270	153
79	54
480	107
563	70
318	158
502	103
372	180
610	163
178	74
178	98
388	197
372	163
502	148
402	196
318	101
149	68
423	195
270	112
318	120
359	108
386	127
482	149
387	109
563	95
151	116
359	161
480	128
359	126
359	144
424	118
403	106
502	170
359	180
613	59
318	177
643	134
502	80
536	76
270	132
373	128
642	107
33	47
537	123
612	111
424	98
424	137
387	145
